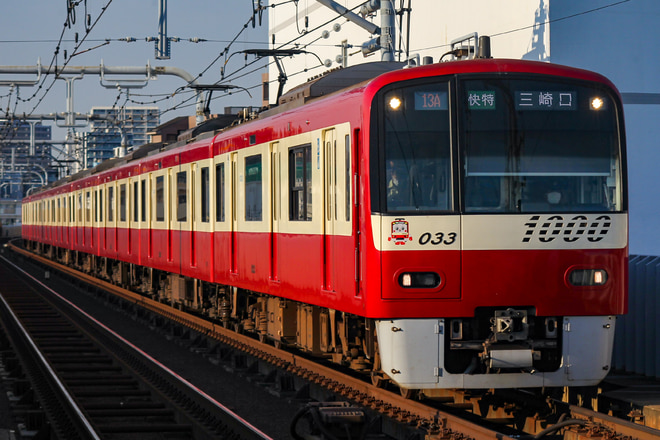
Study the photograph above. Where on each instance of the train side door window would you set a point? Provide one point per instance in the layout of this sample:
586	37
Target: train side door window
204	177
220	192
182	196
88	207
122	202
160	198
143	199
300	183
136	200
100	205
111	203
253	188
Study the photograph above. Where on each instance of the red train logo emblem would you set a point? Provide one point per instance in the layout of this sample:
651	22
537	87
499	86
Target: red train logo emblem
400	231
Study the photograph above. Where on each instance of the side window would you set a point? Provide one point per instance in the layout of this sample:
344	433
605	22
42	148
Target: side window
122	202
136	211
181	196
300	183
95	207
111	204
253	184
160	198
220	192
205	194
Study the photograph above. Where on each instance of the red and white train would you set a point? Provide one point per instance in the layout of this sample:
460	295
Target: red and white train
456	225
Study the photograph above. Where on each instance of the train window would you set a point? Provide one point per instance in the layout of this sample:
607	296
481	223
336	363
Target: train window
111	204
136	202
65	211
205	194
539	146
253	185
181	196
100	205
160	198
300	183
122	202
95	207
347	182
88	206
79	206
414	149
220	192
143	199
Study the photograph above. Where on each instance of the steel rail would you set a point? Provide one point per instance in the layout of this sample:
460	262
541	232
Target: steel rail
393	405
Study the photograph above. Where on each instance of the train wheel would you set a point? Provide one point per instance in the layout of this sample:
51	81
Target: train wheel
378	379
408	393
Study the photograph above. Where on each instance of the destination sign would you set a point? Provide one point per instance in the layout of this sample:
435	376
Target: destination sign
545	100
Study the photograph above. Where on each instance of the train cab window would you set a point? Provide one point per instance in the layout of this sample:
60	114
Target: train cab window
535	145
413	143
181	196
204	177
111	204
253	185
220	192
122	202
136	201
300	183
160	198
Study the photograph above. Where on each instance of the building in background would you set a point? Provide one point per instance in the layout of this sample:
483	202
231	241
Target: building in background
616	39
25	163
110	124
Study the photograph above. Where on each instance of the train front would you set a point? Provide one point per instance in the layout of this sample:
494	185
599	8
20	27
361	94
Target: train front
499	220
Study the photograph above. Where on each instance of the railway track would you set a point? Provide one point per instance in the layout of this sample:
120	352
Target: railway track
92	384
452	420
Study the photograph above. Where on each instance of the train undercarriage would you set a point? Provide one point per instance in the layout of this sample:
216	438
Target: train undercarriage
477	346
345	339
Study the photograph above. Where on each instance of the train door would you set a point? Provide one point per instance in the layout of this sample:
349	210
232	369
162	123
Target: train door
233	213
329	183
275	209
339	243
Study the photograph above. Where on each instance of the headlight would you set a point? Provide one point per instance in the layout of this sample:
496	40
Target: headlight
587	277
419	280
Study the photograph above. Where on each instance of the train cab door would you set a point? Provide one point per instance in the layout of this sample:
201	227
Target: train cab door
338	243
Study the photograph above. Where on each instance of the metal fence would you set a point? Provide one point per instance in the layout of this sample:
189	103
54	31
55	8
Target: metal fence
637	335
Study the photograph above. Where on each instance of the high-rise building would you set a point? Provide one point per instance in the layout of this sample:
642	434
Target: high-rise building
24	163
108	124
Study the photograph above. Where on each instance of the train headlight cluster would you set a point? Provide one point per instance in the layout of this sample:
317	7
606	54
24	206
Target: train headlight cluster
419	280
587	277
